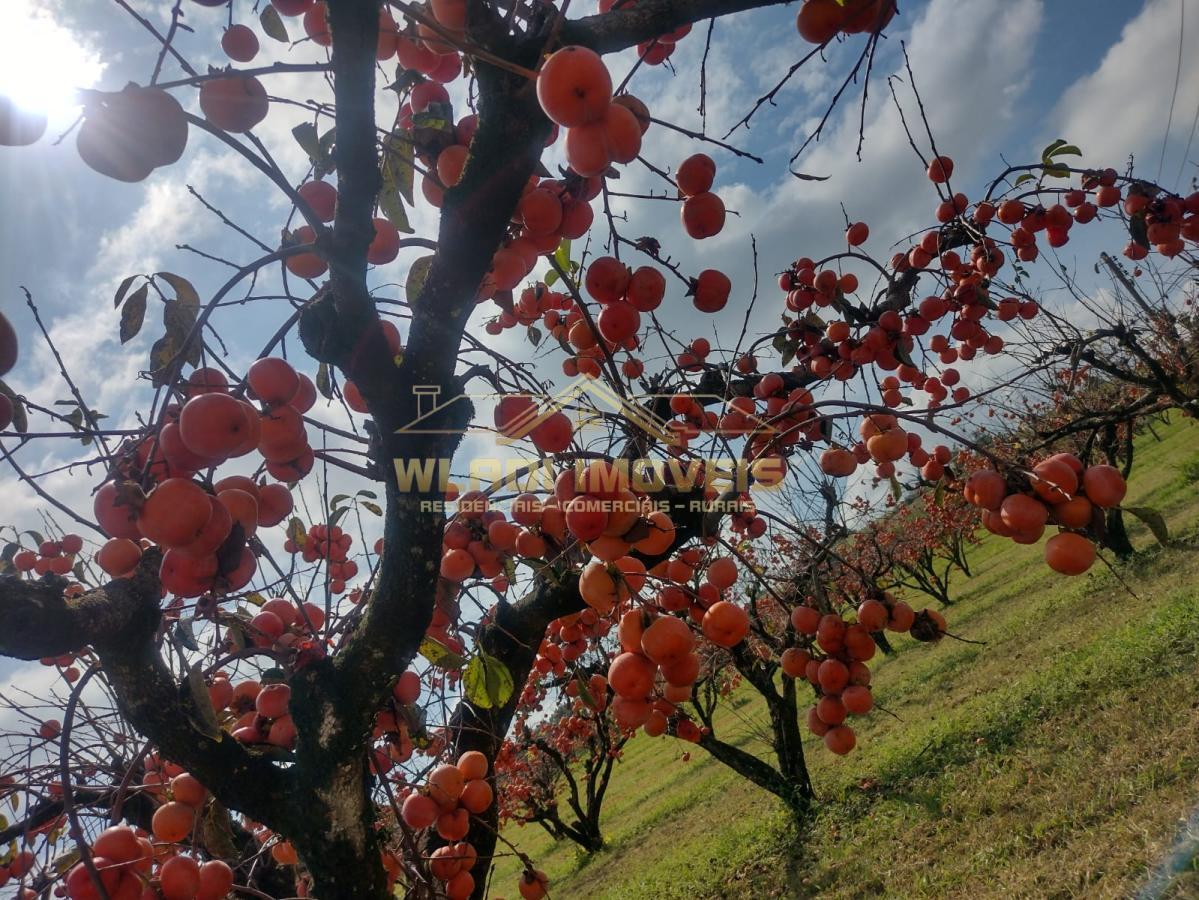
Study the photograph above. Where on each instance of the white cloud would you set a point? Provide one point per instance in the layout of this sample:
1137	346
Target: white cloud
1122	107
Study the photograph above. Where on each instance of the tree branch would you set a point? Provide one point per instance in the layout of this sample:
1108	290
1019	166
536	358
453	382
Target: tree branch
628	26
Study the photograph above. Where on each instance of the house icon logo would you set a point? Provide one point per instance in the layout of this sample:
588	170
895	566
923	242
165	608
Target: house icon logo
591	400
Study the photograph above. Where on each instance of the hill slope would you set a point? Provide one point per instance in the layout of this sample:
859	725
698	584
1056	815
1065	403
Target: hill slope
1058	759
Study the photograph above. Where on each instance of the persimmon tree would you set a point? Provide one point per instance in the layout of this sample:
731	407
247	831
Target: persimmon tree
918	546
565	761
254	687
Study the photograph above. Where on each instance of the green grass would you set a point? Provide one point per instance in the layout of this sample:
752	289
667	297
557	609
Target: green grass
1054	760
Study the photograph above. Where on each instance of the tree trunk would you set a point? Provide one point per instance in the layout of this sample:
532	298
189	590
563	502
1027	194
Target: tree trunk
788	747
749	767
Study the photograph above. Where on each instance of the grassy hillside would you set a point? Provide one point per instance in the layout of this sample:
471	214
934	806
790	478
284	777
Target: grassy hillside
1060	759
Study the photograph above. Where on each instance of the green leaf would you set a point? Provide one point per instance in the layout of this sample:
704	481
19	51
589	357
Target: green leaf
896	488
562	255
939	493
272	25
534	335
551	278
1067	150
200	713
62	863
185	293
322	381
134	314
123	289
338	514
1048	152
337	498
36	535
369	495
418	274
20	420
372	507
1025	178
487	683
440	655
1153	520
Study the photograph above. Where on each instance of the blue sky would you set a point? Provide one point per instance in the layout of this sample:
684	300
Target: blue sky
1001	78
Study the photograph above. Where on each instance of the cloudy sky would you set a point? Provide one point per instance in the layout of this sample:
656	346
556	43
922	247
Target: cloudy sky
999	80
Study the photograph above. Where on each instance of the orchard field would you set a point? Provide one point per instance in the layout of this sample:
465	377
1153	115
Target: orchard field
1060	759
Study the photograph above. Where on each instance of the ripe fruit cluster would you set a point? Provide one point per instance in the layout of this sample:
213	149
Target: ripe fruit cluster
1059	490
702	212
819	21
261	709
128	864
656	670
885	443
479	541
452	794
518	416
834	658
204	534
575	91
329	543
57	557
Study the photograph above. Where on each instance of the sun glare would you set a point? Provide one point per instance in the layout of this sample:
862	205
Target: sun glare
42	64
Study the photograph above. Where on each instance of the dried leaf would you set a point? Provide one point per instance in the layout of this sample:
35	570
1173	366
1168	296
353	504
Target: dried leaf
296	532
185	293
123	289
134	314
322	381
20	420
